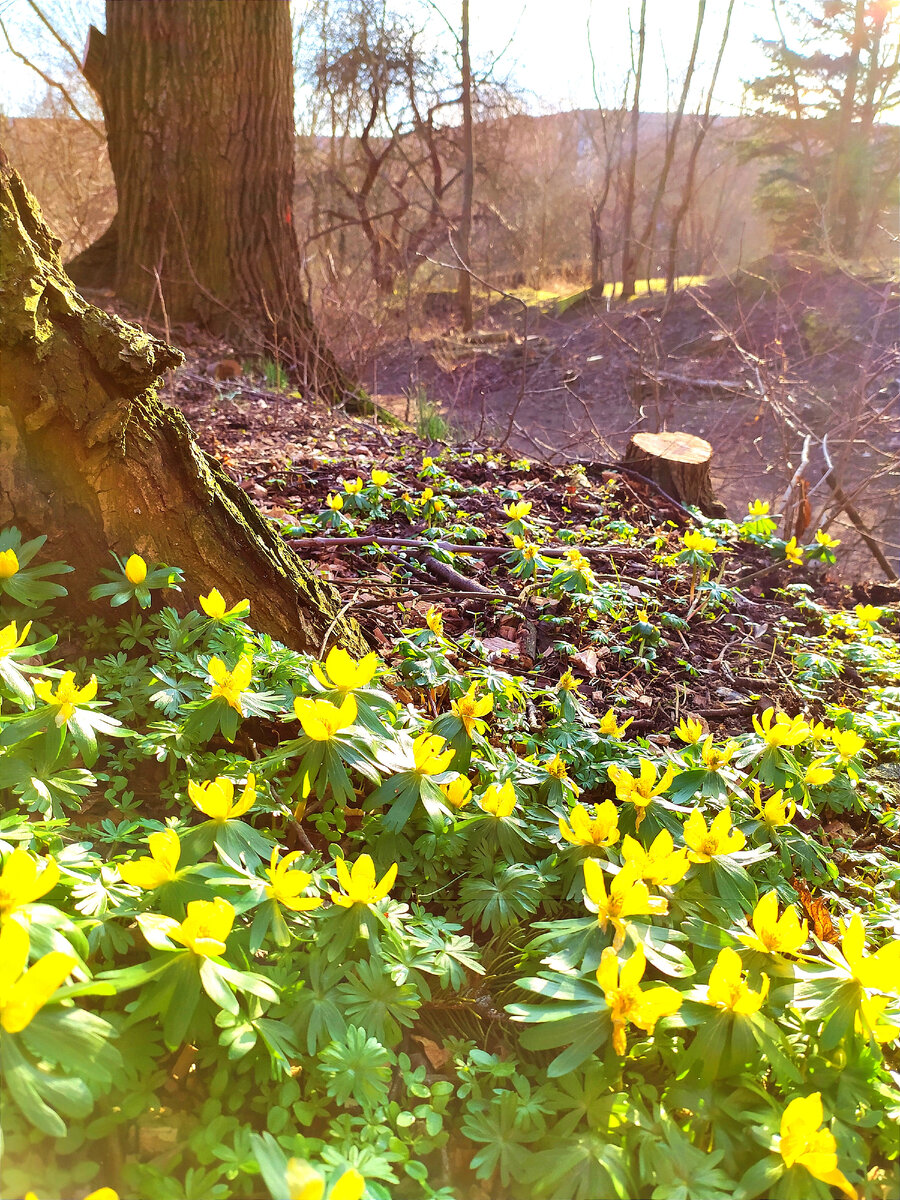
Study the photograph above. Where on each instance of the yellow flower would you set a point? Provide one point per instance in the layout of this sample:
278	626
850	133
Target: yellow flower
705	844
10	639
305	1183
775	810
427	462
609	727
230	684
556	769
9	564
778	729
162	865
354	487
104	1193
344	673
215	798
628	896
214	606
358	883
499	802
582	829
468	709
528	550
880	970
435	622
847	742
518	510
439	505
818	773
429	755
625	999
773	934
712	758
758	508
690	730
322	720
135	569
458	792
286	884
662	864
567	681
793	553
21	883
869	1019
728	989
824	539
867	615
803	1144
67	696
694	540
380	478
641	791
819	732
23	993
427	494
335	503
206	927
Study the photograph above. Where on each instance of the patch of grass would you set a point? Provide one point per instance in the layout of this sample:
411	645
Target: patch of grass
273	372
426	416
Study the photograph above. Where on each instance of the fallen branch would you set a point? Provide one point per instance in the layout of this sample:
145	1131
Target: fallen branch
461	582
477	550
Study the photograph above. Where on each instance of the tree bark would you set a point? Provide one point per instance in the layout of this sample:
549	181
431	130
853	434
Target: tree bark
90	456
198	102
679	464
464	286
629	247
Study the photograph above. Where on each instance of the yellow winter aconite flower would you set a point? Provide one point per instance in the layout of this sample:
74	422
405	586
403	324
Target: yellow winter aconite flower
380	478
582	829
427	494
867	615
641	791
469	710
358	885
287	884
343	672
435	622
9	564
567	681
305	1183
824	539
518	510
610	727
728	989
818	773
21	882
135	569
846	742
67	696
10	639
628	896
335	503
773	934
458	792
24	993
690	730
719	839
696	541
556	769
804	1144
429	755
162	865
758	508
793	553
880	970
713	757
869	1019
215	798
215	607
206	927
498	801
626	1000
230	685
321	720
662	864
778	729
353	487
775	810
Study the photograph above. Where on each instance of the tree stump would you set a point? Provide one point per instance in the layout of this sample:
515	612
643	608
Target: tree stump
679	464
91	457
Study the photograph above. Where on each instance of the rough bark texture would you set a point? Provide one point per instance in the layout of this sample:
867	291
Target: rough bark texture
679	463
91	457
198	102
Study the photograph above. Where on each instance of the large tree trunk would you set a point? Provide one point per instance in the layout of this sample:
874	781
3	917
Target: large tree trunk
91	457
198	102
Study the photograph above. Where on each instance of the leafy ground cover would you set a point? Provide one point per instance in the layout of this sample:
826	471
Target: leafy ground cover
582	884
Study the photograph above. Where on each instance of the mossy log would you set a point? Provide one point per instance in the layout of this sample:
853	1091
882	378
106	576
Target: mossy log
90	456
679	464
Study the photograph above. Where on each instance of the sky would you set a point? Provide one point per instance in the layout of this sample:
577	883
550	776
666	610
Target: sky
542	46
